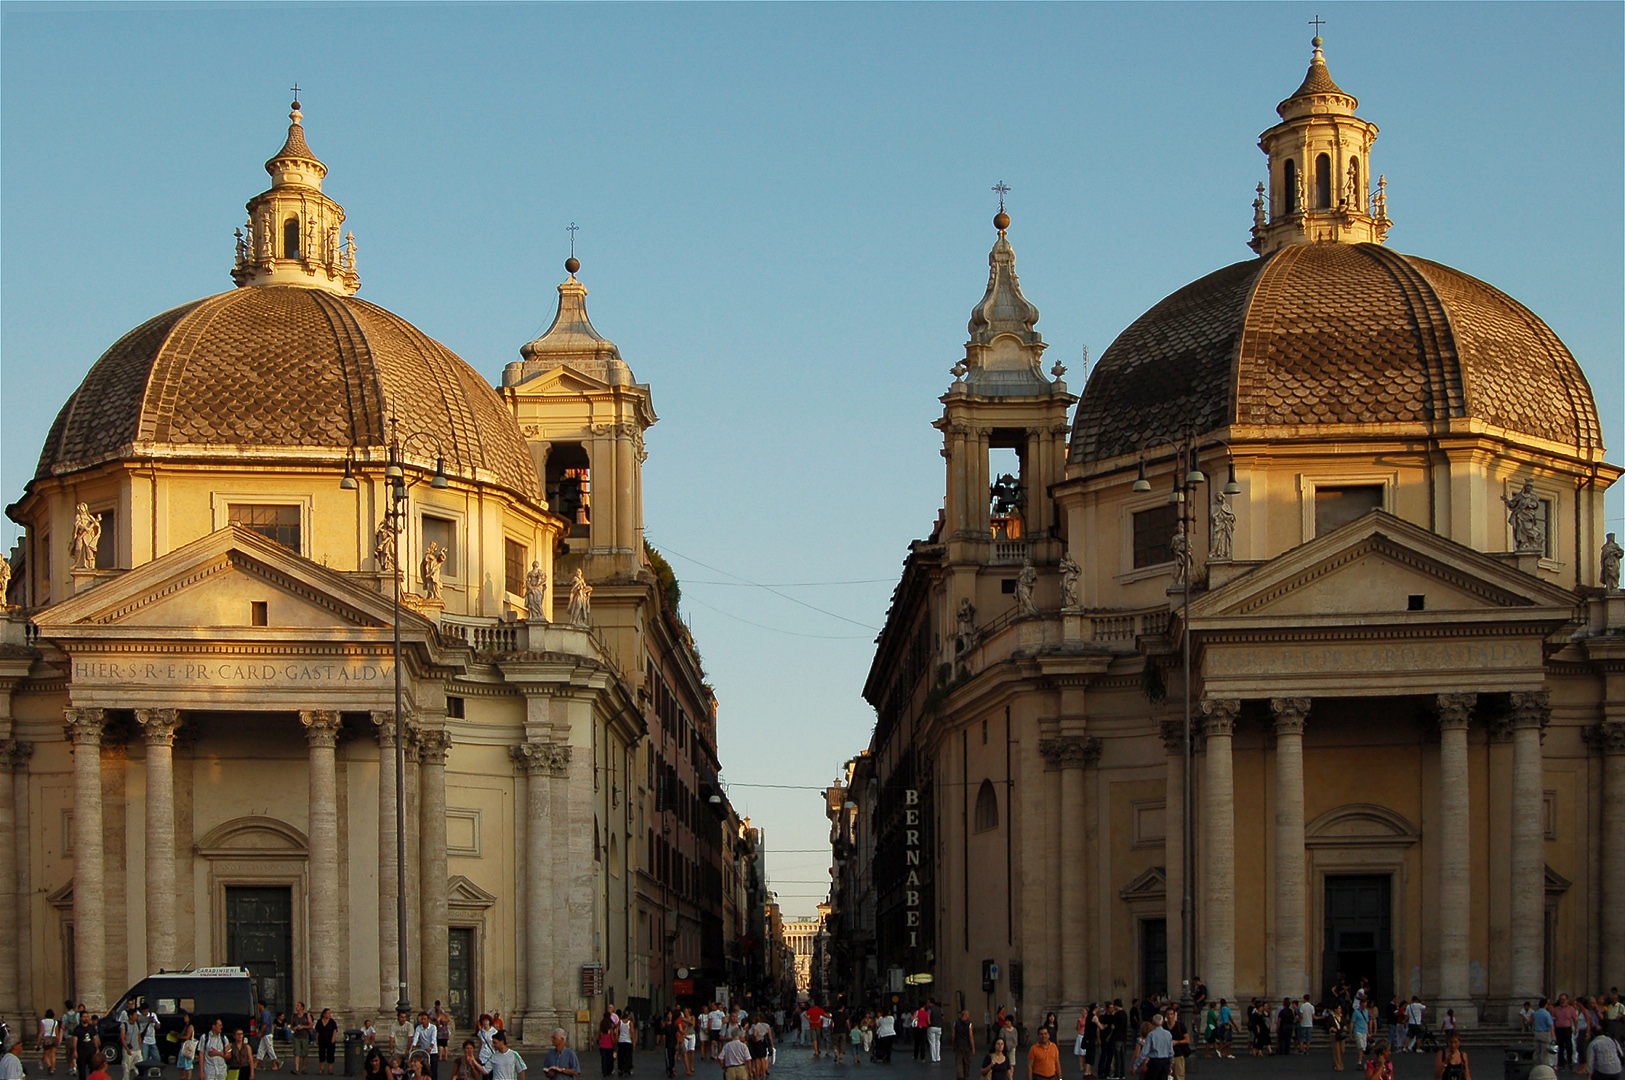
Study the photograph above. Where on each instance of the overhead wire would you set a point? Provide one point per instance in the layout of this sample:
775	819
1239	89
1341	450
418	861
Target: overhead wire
786	596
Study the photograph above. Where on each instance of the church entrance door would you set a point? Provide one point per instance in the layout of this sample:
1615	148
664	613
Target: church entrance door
1153	956
259	937
1359	933
460	975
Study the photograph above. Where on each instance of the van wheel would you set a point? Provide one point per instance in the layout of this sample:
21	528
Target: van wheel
112	1054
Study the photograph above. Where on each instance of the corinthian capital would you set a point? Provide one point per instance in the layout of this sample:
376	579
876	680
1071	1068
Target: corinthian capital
321	726
1290	714
1065	751
1219	715
83	726
1608	737
1531	709
158	726
433	745
14	755
542	758
1455	710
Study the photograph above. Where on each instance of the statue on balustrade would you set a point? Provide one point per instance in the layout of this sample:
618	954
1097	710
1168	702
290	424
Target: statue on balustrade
87	536
536	593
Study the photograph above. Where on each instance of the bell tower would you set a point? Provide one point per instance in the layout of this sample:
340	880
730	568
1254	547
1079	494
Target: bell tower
292	235
1320	189
1001	399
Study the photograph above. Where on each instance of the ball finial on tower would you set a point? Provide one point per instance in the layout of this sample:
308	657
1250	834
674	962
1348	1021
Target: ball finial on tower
572	264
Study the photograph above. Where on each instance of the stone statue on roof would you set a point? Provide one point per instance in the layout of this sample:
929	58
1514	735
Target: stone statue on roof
1612	553
536	593
434	557
580	600
87	536
1523	512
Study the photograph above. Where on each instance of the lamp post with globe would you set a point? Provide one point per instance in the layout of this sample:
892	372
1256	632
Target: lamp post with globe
396	514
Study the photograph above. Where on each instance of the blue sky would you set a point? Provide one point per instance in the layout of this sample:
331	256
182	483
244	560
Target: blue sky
784	217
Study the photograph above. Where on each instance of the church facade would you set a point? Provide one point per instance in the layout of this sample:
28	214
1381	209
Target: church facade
1325	529
250	507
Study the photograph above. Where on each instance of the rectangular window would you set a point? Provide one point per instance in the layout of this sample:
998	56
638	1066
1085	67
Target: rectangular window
259	613
1337	506
513	568
280	523
1153	529
454	707
1543	523
107	546
442	531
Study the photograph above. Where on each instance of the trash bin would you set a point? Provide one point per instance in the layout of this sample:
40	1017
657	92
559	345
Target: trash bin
352	1051
1518	1061
150	1070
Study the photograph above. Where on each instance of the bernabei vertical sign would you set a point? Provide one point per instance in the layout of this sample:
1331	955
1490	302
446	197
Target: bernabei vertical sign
911	854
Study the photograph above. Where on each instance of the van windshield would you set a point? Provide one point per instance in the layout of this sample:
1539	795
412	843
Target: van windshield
206	996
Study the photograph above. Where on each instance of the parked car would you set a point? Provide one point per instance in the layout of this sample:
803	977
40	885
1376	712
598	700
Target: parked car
226	993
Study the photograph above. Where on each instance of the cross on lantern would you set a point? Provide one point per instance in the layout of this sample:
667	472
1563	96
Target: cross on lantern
1317	22
1003	189
572	229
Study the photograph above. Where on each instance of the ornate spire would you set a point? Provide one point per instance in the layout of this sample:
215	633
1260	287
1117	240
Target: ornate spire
1319	169
292	236
1003	309
571	340
1002	355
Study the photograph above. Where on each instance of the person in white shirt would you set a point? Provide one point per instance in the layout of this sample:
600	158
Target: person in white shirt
1413	1024
426	1041
11	1066
1306	1025
215	1047
505	1064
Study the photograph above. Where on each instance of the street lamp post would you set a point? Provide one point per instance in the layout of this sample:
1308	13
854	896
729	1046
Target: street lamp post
389	548
1185	488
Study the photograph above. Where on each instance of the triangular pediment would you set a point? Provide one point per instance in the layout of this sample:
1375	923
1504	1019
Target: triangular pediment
563	379
462	893
1373	566
213	581
1151	884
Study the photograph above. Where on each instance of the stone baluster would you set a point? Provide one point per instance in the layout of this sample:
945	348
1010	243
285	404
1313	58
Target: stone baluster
158	732
1219	849
1531	711
1455	855
322	733
83	728
1291	942
433	747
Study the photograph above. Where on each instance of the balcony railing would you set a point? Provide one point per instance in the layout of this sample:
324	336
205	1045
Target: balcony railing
485	635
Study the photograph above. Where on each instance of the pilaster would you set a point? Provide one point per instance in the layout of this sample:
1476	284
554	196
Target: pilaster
322	733
1291	915
1531	712
433	746
83	727
1455	857
158	728
1219	842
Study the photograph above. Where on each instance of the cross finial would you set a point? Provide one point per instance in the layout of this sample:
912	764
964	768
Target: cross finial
1003	189
295	89
572	229
1317	22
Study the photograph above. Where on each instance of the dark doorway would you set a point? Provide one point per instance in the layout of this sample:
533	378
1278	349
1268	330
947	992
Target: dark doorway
460	976
1359	934
1153	957
259	937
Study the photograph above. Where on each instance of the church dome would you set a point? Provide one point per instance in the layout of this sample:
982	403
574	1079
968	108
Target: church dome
1331	334
290	367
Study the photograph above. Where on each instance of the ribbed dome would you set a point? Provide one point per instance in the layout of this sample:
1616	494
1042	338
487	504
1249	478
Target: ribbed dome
283	366
1330	334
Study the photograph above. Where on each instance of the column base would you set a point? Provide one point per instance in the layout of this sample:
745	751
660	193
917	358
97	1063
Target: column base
1466	1013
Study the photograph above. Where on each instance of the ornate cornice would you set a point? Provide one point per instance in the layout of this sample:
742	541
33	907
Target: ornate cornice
1455	710
83	726
321	727
1219	716
158	726
1290	714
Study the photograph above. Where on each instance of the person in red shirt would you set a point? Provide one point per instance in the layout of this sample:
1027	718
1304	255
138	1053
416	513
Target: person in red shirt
815	1020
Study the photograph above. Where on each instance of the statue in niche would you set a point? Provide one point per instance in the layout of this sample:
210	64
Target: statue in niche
434	557
1223	529
87	536
1179	550
1071	573
580	600
1523	512
383	547
966	620
1026	582
1611	555
536	593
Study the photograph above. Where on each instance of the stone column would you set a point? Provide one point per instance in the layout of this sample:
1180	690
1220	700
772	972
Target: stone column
433	745
534	758
1531	711
23	896
1291	956
389	972
1219	850
83	728
158	732
322	733
1609	739
10	972
1455	857
1067	755
1173	853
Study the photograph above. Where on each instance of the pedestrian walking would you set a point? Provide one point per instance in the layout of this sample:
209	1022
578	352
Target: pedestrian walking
1044	1058
1603	1057
303	1026
1181	1039
11	1061
327	1041
1451	1062
625	1042
468	1065
885	1035
506	1064
186	1056
1156	1054
1414	1018
560	1060
996	1065
240	1058
1337	1028
1563	1014
734	1058
86	1058
608	1030
922	1024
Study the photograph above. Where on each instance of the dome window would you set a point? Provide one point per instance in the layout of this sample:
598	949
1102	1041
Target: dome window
987	808
290	238
1289	184
1323	182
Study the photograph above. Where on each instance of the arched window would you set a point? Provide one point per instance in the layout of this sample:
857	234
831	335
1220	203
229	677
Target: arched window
987	808
1323	182
290	238
1289	181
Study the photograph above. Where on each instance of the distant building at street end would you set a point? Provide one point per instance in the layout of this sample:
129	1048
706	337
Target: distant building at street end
1368	489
